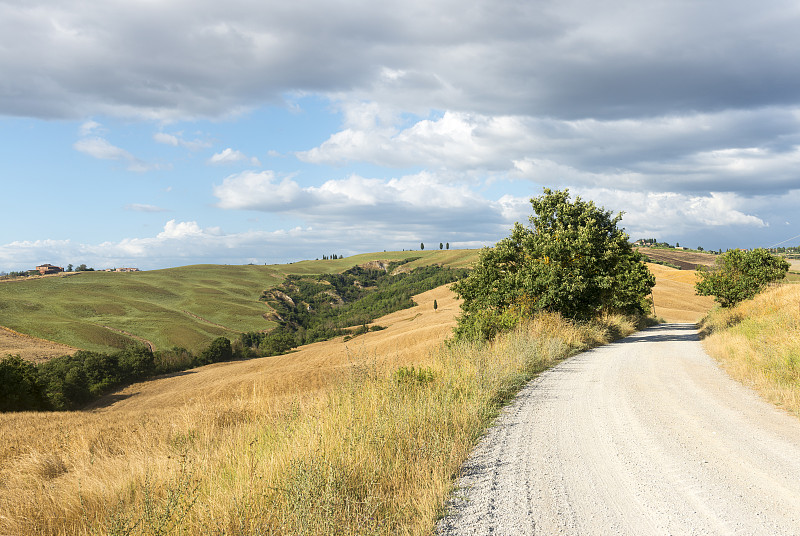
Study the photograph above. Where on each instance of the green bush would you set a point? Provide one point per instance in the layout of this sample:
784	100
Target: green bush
173	360
739	275
573	260
136	363
20	389
219	350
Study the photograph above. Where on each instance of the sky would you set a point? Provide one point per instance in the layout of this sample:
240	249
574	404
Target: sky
160	133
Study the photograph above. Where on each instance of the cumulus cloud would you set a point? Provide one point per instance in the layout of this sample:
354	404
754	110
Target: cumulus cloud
388	216
412	201
687	113
186	242
752	151
230	156
253	190
725	218
455	141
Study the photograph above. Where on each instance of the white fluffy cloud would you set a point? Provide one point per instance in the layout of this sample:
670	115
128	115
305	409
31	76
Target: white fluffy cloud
657	214
737	151
684	114
253	190
413	201
455	140
186	242
356	215
89	127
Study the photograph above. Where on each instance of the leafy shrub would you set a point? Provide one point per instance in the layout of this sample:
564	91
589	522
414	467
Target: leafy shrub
19	386
136	362
172	360
219	350
739	275
572	260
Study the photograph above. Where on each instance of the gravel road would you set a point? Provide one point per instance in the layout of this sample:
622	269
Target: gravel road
643	436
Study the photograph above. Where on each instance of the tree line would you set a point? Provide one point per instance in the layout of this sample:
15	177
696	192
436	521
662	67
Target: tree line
70	382
326	306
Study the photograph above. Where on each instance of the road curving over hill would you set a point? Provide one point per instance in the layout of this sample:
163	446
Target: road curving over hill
643	436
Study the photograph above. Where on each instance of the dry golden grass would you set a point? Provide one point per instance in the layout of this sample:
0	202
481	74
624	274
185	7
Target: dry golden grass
409	335
329	439
758	343
30	348
674	296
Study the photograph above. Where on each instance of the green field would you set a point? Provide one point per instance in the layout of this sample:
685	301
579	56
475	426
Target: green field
187	306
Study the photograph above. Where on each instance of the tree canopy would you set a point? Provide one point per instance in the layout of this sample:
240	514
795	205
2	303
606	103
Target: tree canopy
572	259
739	275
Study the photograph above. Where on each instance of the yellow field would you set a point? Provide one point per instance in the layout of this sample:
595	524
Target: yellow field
409	336
675	299
242	447
141	429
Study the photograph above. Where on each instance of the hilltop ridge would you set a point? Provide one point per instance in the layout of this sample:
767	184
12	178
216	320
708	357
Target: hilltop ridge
187	306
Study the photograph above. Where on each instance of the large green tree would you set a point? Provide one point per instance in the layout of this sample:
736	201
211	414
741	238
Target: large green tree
572	259
739	275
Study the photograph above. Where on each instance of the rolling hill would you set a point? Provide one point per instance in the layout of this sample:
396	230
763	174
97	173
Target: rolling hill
186	307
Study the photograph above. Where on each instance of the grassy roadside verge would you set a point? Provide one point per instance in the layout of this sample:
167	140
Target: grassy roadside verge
758	343
374	455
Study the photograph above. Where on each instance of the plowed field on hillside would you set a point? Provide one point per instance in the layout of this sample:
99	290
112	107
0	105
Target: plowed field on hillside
686	260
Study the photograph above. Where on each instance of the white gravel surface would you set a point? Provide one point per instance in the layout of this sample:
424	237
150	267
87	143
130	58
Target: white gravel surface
644	436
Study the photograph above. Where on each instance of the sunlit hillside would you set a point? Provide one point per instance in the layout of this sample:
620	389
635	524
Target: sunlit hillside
185	307
675	299
200	433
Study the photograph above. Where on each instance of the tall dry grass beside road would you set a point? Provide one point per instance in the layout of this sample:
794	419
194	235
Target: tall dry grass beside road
372	453
758	343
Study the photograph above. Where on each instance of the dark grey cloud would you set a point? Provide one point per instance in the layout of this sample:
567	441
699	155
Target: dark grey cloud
567	59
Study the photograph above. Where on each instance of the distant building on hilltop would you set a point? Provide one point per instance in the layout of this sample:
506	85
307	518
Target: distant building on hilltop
45	269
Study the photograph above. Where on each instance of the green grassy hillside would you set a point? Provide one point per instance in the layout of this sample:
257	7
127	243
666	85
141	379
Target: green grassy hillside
187	306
